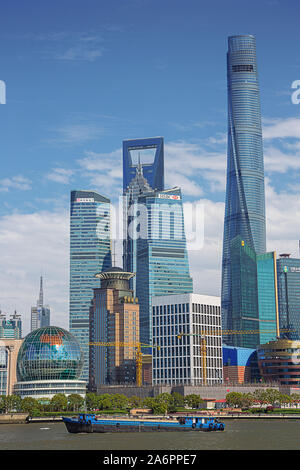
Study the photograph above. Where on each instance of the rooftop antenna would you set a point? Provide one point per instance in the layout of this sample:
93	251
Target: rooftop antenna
41	295
139	167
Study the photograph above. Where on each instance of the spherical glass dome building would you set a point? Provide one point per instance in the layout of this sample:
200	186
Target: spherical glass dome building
49	361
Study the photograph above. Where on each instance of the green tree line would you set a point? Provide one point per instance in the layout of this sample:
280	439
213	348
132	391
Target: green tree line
163	403
261	398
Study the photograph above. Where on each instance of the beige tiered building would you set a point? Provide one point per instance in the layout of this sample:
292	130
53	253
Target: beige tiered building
9	349
114	330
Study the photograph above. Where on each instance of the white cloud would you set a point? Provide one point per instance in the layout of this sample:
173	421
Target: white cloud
16	182
60	175
281	128
78	133
81	52
31	245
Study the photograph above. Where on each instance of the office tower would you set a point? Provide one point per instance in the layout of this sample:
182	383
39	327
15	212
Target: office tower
162	259
143	171
90	253
139	185
245	195
114	319
10	329
187	329
40	315
288	275
254	307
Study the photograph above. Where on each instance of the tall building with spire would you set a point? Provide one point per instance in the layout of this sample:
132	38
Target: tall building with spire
40	315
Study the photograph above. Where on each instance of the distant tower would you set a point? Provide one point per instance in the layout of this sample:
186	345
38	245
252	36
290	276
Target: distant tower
41	296
40	315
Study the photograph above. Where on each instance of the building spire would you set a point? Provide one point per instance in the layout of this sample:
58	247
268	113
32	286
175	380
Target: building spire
41	296
139	169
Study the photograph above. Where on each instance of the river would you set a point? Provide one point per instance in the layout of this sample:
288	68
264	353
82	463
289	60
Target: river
238	435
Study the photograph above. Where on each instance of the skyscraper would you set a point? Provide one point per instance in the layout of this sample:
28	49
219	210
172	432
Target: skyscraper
40	315
162	265
143	171
138	186
245	195
90	253
253	306
11	329
114	318
288	272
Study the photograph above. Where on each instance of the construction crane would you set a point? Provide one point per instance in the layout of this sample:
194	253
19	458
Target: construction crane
218	332
139	355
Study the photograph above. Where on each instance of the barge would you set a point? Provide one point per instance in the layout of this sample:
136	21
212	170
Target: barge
88	423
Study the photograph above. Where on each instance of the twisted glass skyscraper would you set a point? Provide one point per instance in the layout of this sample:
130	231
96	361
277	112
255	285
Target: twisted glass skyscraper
245	194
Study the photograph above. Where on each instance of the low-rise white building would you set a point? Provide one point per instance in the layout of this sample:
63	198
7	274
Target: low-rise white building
187	336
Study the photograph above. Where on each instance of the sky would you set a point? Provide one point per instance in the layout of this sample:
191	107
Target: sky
82	76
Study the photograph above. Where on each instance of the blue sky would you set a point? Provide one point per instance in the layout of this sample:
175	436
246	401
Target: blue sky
81	76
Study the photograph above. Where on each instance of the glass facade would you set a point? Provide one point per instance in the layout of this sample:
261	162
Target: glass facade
49	353
288	275
11	329
279	361
245	195
140	175
153	169
138	186
267	297
3	370
162	258
90	253
253	303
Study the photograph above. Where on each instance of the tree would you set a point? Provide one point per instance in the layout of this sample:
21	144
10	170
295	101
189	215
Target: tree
260	396
295	398
30	405
284	399
11	403
134	402
157	406
234	399
164	398
193	400
272	396
59	402
246	400
91	401
178	399
119	401
75	401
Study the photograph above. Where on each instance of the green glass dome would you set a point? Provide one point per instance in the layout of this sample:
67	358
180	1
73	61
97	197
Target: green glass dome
49	353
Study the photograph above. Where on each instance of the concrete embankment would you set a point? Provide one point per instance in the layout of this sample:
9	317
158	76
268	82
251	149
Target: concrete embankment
261	416
13	418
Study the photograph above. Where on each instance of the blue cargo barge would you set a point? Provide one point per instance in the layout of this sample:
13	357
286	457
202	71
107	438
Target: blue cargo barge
88	423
